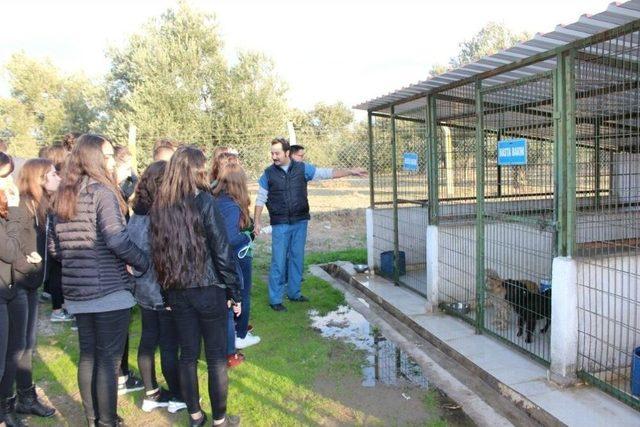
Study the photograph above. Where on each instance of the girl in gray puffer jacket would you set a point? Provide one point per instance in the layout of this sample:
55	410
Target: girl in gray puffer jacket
158	328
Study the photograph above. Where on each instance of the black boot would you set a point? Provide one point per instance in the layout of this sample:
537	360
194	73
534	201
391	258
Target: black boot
3	409
118	423
10	417
28	403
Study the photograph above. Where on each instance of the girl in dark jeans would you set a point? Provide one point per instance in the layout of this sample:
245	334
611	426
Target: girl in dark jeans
232	196
37	182
12	305
89	235
195	266
158	327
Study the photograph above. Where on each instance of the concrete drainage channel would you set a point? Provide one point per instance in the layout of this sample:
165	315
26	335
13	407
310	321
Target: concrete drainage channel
385	362
397	356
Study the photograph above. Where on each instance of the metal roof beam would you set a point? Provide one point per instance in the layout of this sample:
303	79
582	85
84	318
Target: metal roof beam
576	44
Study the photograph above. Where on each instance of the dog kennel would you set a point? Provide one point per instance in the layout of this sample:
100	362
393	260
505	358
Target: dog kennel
485	176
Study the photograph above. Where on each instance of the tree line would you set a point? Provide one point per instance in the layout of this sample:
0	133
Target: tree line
171	80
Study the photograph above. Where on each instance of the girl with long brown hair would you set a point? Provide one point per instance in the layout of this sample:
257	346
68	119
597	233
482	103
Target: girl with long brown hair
53	274
12	305
37	182
221	157
158	327
195	266
89	235
232	196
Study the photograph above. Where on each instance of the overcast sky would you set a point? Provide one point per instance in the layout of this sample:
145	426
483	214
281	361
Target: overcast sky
330	50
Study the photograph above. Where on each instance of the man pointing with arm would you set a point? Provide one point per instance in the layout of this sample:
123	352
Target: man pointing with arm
283	189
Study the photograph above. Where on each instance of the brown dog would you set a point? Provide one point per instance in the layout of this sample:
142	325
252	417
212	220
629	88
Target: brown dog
495	298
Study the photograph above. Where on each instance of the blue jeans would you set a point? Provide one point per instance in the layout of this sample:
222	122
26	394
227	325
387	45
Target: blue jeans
287	259
231	332
242	322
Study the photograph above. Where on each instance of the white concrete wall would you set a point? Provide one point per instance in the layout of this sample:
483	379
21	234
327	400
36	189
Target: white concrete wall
412	225
564	318
370	239
625	178
609	308
456	262
514	250
607	225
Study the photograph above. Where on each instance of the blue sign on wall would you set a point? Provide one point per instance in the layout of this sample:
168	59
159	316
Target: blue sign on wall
410	162
512	152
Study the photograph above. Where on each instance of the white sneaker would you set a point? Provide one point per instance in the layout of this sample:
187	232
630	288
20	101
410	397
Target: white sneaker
176	405
247	341
61	316
160	399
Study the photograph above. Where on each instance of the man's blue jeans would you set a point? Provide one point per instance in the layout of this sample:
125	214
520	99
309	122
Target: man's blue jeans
287	259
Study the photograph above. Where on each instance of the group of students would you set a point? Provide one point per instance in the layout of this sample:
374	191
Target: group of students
177	242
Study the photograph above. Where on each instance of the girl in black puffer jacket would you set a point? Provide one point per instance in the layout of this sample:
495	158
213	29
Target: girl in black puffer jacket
89	235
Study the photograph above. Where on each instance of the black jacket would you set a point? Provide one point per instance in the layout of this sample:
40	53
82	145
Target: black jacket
221	262
10	251
94	246
287	202
32	237
147	290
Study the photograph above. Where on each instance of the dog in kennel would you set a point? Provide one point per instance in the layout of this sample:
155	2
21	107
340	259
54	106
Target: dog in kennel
529	306
522	297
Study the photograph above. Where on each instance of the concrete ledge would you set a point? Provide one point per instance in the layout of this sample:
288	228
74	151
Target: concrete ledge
506	370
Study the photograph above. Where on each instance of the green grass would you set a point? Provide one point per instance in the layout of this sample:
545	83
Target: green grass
356	256
273	387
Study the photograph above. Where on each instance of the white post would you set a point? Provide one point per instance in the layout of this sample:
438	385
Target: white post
432	267
564	321
370	246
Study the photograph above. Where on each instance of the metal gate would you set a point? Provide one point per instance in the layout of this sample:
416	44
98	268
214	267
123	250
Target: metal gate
516	213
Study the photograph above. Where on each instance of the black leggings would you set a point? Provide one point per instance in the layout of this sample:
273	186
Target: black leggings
124	360
13	334
54	284
24	372
201	313
101	337
158	329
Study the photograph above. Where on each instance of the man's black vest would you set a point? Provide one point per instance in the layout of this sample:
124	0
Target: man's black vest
287	201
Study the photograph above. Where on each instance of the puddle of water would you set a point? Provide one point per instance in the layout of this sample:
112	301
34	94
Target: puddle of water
385	362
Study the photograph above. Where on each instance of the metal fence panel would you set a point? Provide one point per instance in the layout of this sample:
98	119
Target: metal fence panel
455	135
412	198
518	212
607	234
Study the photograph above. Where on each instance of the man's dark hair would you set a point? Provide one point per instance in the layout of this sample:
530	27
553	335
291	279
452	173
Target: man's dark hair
121	154
284	141
69	140
295	148
5	160
165	142
4	147
164	145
